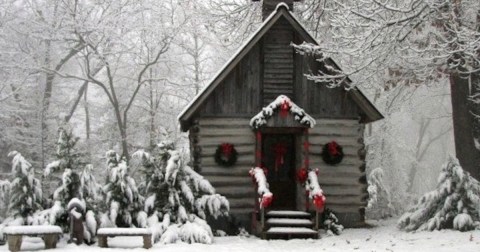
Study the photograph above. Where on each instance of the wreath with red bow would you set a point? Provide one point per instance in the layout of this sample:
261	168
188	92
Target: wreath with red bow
226	155
332	153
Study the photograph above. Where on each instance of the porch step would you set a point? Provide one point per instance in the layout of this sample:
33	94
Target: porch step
287	222
288	214
291	230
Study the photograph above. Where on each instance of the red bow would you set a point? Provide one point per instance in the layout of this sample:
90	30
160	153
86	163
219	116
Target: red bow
302	175
284	108
332	148
319	201
227	149
266	200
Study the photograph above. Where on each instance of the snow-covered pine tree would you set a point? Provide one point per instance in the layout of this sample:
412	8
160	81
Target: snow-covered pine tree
25	189
379	203
122	199
90	189
454	204
180	197
66	155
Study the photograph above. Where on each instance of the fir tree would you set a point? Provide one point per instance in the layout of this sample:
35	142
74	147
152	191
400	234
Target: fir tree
66	155
379	203
180	197
26	190
454	204
122	199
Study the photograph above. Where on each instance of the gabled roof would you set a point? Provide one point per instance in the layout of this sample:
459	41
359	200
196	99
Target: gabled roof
371	113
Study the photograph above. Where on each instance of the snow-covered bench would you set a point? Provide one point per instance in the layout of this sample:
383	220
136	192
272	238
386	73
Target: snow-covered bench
15	233
103	233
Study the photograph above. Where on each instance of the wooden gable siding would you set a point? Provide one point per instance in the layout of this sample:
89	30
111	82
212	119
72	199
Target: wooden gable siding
316	98
278	61
240	92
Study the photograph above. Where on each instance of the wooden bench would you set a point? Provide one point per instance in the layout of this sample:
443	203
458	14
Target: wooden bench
15	233
103	233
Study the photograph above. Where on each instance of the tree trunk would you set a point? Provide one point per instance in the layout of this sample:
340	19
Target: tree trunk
463	125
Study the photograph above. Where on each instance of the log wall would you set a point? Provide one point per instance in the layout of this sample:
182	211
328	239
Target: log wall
232	182
344	184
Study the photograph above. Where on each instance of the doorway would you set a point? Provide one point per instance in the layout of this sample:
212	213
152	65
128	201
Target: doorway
279	158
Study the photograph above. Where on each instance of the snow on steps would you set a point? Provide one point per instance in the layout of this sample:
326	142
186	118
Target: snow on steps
288	214
287	222
291	230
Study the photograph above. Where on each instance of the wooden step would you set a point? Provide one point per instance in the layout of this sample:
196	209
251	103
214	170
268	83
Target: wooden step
288	222
291	231
288	214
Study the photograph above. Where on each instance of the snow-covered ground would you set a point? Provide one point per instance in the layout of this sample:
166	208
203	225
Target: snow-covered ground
383	237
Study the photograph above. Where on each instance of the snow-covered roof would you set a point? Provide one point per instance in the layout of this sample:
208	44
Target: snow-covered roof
281	11
299	114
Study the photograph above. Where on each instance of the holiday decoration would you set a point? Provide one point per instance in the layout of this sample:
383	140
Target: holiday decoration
332	153
279	149
226	155
330	223
302	175
285	105
260	180
315	193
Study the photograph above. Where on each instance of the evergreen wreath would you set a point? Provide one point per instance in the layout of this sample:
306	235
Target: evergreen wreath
332	153
226	155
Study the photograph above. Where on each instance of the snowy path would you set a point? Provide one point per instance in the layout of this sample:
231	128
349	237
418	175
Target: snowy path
384	237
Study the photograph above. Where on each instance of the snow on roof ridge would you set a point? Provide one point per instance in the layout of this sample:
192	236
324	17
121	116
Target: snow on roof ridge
239	50
299	114
280	5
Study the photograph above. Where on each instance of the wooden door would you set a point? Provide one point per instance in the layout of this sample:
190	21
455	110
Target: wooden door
279	158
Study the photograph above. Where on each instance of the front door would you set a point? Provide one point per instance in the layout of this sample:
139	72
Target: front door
279	158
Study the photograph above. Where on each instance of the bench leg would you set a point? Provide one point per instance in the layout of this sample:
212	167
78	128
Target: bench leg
102	241
147	241
50	241
14	242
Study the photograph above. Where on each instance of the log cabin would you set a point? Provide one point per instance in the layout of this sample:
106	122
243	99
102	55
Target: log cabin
238	108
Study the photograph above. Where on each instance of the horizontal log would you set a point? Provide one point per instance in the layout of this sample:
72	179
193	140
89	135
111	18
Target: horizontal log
341	140
225	139
249	161
235	170
338	181
346	200
357	190
353	173
333	130
343	208
277	55
241	203
275	76
226	131
270	81
241	149
335	122
339	168
218	181
316	149
278	66
233	192
222	121
237	211
317	162
281	50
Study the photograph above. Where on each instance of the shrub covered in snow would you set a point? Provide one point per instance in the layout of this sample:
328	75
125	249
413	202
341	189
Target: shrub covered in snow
66	156
455	203
178	196
330	223
379	203
123	202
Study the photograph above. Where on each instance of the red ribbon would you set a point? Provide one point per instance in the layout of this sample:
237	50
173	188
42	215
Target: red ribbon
280	149
319	201
266	200
332	148
284	108
302	175
227	149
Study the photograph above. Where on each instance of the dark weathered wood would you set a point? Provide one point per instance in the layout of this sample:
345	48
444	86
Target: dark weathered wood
14	242
50	240
102	241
